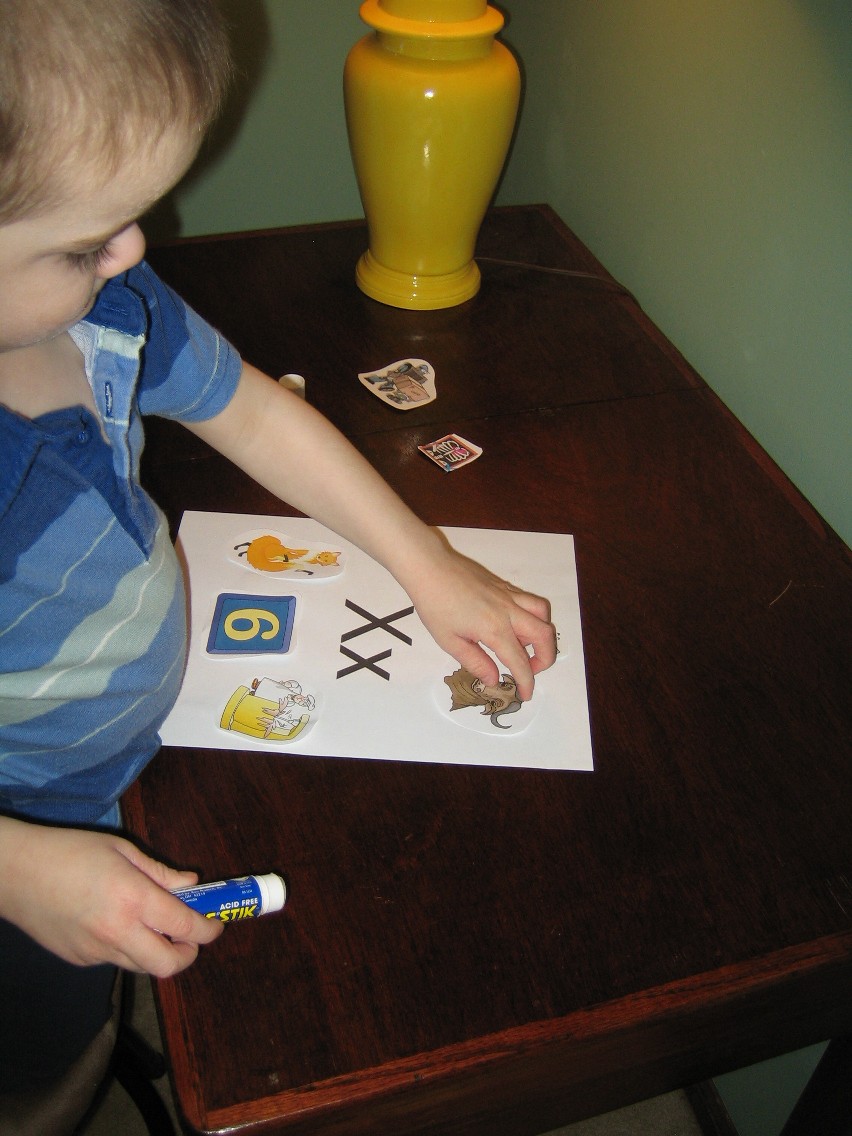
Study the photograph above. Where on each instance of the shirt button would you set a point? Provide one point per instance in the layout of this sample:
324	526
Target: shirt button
83	436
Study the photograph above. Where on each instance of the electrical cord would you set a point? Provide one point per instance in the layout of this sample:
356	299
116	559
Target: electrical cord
609	285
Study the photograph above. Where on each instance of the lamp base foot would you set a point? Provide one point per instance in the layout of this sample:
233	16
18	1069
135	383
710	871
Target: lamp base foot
418	292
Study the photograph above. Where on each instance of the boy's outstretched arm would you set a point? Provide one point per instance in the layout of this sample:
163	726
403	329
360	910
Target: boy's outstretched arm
92	897
293	451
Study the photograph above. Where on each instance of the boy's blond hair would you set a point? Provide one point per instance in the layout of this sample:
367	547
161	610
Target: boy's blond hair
89	80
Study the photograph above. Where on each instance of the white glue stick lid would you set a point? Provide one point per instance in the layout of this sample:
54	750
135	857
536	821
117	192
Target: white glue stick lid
295	383
273	891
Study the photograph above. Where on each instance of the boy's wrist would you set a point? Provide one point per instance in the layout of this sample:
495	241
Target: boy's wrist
418	555
13	838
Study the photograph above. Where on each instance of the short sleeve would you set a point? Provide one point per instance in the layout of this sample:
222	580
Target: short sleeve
189	371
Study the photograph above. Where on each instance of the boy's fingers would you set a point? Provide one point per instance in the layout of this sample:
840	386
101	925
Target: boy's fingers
148	952
535	605
478	662
514	659
542	639
529	631
161	874
533	627
518	664
178	922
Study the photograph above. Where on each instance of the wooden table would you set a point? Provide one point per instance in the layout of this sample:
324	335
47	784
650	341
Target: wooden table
468	950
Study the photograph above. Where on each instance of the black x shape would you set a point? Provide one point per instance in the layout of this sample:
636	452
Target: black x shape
364	664
375	621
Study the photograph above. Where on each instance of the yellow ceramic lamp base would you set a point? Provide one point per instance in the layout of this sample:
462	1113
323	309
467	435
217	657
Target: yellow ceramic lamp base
430	108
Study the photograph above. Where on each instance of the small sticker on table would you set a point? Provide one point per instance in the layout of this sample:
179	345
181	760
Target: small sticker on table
451	452
405	384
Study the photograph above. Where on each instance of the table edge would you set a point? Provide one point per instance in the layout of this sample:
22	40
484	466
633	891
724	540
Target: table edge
790	976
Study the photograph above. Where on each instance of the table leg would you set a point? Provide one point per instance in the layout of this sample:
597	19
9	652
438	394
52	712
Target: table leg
825	1106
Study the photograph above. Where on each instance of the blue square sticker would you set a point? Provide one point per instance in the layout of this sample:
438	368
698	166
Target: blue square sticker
251	625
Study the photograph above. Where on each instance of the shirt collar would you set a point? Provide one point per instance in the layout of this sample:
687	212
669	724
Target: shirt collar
119	307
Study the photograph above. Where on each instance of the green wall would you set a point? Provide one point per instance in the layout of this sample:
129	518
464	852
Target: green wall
280	154
701	150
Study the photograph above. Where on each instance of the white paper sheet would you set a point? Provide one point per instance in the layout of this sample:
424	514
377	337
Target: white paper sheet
398	706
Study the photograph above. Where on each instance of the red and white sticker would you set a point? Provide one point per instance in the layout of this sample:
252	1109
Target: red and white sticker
451	452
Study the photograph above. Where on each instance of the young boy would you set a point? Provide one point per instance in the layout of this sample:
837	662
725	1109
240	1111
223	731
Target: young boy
103	104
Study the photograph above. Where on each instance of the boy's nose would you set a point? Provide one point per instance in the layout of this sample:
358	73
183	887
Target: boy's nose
126	249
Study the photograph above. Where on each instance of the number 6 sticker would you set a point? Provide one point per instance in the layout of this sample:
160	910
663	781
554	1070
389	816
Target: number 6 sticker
251	625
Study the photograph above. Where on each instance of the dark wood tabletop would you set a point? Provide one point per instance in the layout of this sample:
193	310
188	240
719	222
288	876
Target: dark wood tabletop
473	950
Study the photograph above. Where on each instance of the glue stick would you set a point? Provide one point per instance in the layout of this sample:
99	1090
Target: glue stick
244	898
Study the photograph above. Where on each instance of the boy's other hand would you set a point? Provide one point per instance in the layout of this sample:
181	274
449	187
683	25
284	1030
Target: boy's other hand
94	897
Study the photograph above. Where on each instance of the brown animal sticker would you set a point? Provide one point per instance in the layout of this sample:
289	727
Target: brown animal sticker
494	703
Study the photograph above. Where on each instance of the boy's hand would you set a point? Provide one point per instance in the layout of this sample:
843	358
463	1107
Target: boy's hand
93	897
466	608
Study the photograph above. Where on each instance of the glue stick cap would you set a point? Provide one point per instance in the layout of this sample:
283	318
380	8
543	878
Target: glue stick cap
295	383
273	892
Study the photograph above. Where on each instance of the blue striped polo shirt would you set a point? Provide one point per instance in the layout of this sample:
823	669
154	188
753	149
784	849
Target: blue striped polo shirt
92	614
